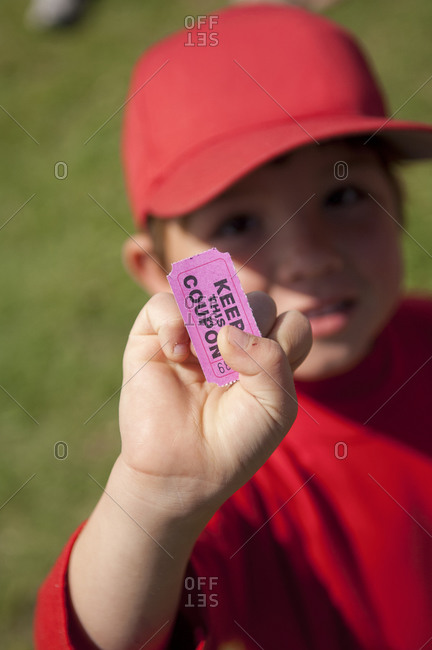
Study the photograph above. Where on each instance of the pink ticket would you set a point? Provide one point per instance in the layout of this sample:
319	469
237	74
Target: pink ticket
209	295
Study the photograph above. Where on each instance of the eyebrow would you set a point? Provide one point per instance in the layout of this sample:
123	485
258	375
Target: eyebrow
355	161
351	159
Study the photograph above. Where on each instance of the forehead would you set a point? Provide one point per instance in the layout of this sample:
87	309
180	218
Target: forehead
326	153
306	165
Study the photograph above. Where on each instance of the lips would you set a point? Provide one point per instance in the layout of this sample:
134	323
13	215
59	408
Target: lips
330	317
328	308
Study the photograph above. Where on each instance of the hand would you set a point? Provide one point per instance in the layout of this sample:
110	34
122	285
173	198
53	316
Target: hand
190	444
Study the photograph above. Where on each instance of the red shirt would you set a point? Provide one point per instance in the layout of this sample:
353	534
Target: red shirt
329	545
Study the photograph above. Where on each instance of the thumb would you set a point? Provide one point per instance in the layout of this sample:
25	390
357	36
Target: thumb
265	372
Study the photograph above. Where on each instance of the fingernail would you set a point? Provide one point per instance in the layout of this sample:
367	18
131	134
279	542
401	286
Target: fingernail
180	349
237	336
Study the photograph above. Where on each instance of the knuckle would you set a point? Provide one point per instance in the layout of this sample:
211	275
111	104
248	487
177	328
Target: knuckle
157	301
126	359
272	353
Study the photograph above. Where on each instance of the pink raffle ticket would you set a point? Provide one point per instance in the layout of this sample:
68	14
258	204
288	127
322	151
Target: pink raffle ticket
209	295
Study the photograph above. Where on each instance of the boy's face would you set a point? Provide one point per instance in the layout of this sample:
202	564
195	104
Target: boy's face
314	243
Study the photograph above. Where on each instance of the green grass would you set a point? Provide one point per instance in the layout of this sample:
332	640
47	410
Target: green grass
66	302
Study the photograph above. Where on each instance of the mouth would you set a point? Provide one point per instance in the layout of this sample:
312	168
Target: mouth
330	308
330	317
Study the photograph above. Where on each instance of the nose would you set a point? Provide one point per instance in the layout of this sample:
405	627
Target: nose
306	251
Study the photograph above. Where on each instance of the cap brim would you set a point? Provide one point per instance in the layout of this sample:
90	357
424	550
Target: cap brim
199	176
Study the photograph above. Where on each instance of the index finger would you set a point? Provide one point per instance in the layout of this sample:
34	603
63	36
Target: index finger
161	317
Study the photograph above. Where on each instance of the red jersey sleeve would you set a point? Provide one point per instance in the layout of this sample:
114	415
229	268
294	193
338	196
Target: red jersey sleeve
53	611
55	626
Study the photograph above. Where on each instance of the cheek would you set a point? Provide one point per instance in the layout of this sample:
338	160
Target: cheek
375	254
251	279
179	244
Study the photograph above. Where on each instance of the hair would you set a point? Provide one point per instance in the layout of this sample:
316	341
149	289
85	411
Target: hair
156	229
388	155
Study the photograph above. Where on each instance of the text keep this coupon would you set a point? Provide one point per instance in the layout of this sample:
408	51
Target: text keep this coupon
209	295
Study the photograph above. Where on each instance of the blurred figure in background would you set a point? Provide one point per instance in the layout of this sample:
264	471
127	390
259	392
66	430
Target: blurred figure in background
44	14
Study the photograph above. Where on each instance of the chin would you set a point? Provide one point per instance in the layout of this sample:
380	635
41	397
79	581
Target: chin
323	364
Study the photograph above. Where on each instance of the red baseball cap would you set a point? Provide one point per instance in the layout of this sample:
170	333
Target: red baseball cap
238	87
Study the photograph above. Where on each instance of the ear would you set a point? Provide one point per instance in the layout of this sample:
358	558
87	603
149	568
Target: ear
142	263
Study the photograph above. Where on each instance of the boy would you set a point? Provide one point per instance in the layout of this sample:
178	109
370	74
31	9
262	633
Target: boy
216	530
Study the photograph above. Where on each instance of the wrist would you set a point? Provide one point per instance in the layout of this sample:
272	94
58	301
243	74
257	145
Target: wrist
157	498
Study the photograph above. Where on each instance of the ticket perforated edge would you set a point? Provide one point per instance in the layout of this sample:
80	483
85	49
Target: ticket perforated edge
209	295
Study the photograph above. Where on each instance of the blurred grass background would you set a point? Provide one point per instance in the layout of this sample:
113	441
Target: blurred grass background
66	302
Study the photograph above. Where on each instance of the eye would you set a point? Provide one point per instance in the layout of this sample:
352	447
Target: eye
345	196
235	225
